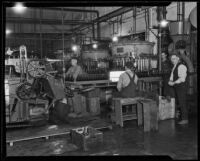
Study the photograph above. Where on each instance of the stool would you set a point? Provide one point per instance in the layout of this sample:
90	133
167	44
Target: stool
120	103
150	114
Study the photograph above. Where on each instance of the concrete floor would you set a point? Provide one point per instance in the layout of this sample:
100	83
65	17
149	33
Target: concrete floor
176	141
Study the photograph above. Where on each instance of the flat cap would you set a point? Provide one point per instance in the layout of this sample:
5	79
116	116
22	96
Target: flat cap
175	53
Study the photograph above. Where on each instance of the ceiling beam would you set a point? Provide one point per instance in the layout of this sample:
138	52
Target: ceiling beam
111	15
38	34
69	9
44	21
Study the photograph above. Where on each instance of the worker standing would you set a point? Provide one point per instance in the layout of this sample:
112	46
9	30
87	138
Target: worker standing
178	82
75	69
166	70
181	49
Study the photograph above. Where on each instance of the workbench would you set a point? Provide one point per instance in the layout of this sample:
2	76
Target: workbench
144	83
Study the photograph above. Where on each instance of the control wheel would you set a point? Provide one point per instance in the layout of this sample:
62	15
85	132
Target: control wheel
24	91
36	68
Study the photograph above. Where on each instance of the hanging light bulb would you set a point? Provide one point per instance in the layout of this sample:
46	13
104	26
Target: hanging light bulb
74	48
19	7
115	39
94	46
163	23
8	31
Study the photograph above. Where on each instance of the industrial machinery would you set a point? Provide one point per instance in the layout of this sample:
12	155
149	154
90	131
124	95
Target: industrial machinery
29	100
99	63
44	82
95	63
138	52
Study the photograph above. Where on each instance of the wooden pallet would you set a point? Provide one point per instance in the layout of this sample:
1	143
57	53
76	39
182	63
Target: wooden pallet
47	135
9	126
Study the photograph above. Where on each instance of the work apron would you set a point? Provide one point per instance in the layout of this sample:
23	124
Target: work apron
129	91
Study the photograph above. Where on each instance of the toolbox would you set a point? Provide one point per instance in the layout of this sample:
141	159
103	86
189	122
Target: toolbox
86	138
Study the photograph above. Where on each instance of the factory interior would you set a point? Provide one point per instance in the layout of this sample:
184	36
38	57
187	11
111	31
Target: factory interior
101	80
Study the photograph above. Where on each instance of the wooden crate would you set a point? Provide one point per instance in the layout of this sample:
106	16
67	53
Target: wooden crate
93	105
93	93
150	114
78	103
166	108
122	103
20	113
86	142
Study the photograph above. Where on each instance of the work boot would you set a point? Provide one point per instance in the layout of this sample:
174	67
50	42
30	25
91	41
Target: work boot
182	122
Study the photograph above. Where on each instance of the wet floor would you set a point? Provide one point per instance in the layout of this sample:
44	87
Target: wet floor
176	141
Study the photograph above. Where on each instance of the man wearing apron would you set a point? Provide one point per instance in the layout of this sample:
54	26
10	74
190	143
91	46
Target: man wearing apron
127	84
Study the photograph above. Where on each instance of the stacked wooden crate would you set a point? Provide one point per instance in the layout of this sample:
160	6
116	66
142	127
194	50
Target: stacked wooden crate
86	137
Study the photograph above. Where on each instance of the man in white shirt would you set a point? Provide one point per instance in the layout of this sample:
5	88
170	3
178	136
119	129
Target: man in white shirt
178	82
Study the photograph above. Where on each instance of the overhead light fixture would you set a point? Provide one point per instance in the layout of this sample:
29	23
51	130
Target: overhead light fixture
19	7
8	31
115	39
74	48
163	23
94	46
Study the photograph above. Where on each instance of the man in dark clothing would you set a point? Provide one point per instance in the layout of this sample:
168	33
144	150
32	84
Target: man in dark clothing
166	70
181	49
178	82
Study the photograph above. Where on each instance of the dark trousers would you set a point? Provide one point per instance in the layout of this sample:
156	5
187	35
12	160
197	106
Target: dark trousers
166	90
179	92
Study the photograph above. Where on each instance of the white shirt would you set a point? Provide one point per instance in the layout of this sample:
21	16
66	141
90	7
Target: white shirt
124	80
182	73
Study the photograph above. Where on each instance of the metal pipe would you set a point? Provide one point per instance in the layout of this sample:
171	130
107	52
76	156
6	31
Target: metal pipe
41	51
178	11
93	31
121	25
69	9
183	16
108	16
63	38
98	28
164	12
159	49
78	10
21	20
